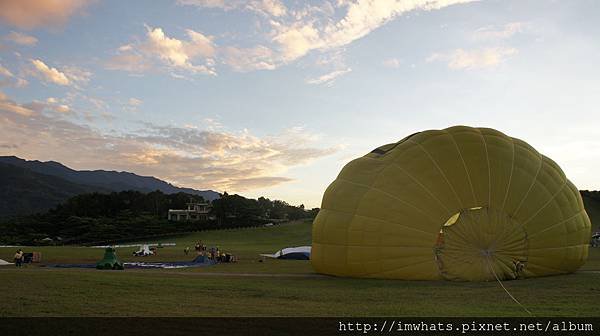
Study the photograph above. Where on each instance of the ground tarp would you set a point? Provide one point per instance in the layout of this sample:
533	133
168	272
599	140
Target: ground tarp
166	265
198	262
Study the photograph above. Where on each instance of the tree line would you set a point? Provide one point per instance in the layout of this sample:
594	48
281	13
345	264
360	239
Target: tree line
118	216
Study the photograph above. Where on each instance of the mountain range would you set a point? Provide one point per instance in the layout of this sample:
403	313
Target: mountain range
36	186
28	187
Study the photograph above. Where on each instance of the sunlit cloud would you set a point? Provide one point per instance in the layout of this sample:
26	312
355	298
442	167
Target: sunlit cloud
249	59
62	108
201	158
129	62
393	63
499	33
295	32
244	184
172	53
222	4
7	78
328	78
132	104
267	7
318	30
9	106
473	59
21	39
135	102
28	14
66	76
5	72
76	74
49	74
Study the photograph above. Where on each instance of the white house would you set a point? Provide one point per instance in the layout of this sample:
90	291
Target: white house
194	212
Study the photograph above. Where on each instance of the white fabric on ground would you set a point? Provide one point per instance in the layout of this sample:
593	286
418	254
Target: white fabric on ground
288	250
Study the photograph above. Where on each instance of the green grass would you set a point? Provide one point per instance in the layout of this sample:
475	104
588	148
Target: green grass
274	287
245	243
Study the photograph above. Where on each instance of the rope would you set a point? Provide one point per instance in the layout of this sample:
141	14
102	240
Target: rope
502	285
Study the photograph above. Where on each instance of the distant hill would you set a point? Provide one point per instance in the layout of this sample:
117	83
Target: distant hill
24	191
591	201
32	186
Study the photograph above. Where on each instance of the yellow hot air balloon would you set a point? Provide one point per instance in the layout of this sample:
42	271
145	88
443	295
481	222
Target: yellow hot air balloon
466	204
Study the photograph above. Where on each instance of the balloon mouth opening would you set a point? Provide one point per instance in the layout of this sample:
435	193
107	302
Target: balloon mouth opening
481	244
487	253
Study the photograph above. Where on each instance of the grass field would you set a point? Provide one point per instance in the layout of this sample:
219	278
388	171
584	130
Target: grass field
270	288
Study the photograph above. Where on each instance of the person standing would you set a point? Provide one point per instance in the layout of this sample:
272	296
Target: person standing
19	258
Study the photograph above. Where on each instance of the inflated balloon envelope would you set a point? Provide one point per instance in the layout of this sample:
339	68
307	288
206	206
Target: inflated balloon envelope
466	204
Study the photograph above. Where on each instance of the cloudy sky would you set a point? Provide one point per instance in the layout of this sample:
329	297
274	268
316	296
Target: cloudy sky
272	97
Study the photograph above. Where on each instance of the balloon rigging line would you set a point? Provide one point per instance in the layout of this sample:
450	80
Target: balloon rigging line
506	290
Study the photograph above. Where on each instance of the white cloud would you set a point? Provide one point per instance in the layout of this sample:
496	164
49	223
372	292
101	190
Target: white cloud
334	59
170	52
267	7
126	47
473	59
49	74
168	49
7	78
296	42
68	75
76	74
199	44
9	106
328	78
392	63
135	102
61	108
21	83
21	39
176	52
5	72
51	104
309	33
222	4
499	33
129	62
297	31
248	59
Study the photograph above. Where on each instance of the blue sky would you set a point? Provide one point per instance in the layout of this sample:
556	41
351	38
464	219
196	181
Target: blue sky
269	97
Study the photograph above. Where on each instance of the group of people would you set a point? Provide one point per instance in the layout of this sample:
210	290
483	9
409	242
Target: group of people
212	253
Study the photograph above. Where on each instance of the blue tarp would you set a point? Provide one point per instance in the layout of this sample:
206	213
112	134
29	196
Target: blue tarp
179	264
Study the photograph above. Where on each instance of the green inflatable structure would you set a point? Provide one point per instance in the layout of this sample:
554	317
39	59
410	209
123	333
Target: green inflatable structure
110	261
